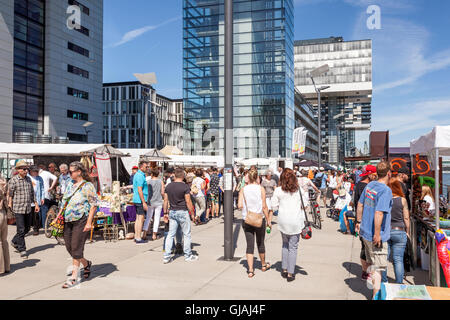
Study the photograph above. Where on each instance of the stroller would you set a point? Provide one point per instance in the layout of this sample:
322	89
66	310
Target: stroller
332	212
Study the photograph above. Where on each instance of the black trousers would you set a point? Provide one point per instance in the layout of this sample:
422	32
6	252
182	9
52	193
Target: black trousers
23	225
75	238
250	234
36	219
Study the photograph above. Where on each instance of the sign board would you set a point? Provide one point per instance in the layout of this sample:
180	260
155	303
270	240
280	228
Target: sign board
228	179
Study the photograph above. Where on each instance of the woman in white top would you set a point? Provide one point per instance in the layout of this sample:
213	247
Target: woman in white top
427	196
199	197
251	199
291	220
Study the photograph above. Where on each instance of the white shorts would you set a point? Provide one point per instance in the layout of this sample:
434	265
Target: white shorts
269	204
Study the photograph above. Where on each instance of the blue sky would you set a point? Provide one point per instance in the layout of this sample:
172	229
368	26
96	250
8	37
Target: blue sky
411	52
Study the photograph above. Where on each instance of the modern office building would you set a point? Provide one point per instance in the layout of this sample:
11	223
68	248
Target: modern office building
51	72
125	108
263	104
346	105
306	117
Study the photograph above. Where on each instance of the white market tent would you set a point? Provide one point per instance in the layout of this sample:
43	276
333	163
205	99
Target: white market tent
28	150
196	161
434	144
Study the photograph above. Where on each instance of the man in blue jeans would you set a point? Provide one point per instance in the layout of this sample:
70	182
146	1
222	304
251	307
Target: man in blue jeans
178	196
373	222
140	198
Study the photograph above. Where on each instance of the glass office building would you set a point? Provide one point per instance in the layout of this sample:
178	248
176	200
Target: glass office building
263	104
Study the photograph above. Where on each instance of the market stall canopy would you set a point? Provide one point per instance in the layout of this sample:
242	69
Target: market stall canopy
307	163
438	138
35	149
253	162
155	155
133	159
196	161
171	150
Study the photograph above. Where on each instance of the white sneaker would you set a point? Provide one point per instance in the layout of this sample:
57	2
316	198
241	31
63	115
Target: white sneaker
192	257
167	260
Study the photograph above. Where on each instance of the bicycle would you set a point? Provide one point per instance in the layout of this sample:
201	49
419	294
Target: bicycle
314	210
51	215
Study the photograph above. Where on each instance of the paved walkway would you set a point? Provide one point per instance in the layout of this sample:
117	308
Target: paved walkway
327	268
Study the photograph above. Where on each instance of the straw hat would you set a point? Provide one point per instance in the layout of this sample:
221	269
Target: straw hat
21	164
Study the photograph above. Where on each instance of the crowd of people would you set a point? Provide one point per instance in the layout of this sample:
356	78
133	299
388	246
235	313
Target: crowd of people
373	197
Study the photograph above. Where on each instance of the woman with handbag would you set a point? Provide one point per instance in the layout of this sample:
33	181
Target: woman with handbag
5	266
291	220
79	206
254	209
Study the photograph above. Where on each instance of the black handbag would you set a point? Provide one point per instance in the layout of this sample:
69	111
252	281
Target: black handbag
307	230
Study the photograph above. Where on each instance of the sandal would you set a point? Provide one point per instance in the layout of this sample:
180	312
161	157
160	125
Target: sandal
251	274
266	267
87	270
70	283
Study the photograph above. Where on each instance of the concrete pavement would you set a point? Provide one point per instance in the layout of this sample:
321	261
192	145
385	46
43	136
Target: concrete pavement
327	268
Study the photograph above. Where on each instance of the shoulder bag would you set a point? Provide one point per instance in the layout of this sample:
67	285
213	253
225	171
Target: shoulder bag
58	224
307	230
252	219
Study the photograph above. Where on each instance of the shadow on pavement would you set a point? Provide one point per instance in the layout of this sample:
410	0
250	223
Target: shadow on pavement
42	248
24	264
357	284
102	270
298	270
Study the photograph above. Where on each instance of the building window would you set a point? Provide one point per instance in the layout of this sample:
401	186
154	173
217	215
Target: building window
78	71
83	30
77	137
78	49
78	93
77	115
83	8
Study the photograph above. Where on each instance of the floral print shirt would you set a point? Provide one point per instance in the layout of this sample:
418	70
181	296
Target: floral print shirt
81	202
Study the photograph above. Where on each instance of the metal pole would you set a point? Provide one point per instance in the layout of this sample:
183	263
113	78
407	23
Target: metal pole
156	127
320	127
228	170
436	204
117	168
146	121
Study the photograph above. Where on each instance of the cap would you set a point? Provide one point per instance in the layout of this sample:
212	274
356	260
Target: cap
321	169
369	169
135	167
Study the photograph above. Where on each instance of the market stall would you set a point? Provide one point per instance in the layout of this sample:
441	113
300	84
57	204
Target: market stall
432	145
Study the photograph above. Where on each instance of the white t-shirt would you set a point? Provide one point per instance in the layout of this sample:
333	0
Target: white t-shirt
291	218
198	182
48	180
347	186
333	182
252	193
343	201
430	200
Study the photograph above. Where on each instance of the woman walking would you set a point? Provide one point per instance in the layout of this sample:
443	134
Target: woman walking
399	230
198	191
155	194
79	206
291	220
4	249
252	199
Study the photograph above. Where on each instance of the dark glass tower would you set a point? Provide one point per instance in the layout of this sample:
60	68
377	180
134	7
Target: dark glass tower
263	103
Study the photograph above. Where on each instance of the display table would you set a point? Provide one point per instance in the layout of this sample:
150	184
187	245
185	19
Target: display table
435	293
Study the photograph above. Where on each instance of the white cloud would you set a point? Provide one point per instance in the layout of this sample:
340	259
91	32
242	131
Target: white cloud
133	34
410	121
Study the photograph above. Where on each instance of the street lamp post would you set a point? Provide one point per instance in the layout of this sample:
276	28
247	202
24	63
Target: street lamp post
85	126
317	73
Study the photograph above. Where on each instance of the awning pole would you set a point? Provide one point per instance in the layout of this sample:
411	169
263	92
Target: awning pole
8	166
437	209
117	168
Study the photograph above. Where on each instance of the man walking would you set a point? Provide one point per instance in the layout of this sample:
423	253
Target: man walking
64	178
320	181
374	221
21	195
140	197
403	177
178	196
38	189
50	181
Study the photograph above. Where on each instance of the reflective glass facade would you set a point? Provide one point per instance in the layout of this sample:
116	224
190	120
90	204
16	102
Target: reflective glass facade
263	104
28	101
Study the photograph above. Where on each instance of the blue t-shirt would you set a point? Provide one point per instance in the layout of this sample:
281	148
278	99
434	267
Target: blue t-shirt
324	179
376	197
139	181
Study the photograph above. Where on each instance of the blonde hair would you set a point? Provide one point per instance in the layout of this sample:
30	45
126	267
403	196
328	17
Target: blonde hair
426	191
253	176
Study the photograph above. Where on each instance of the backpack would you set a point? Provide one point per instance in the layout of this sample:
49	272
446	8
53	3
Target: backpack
318	180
